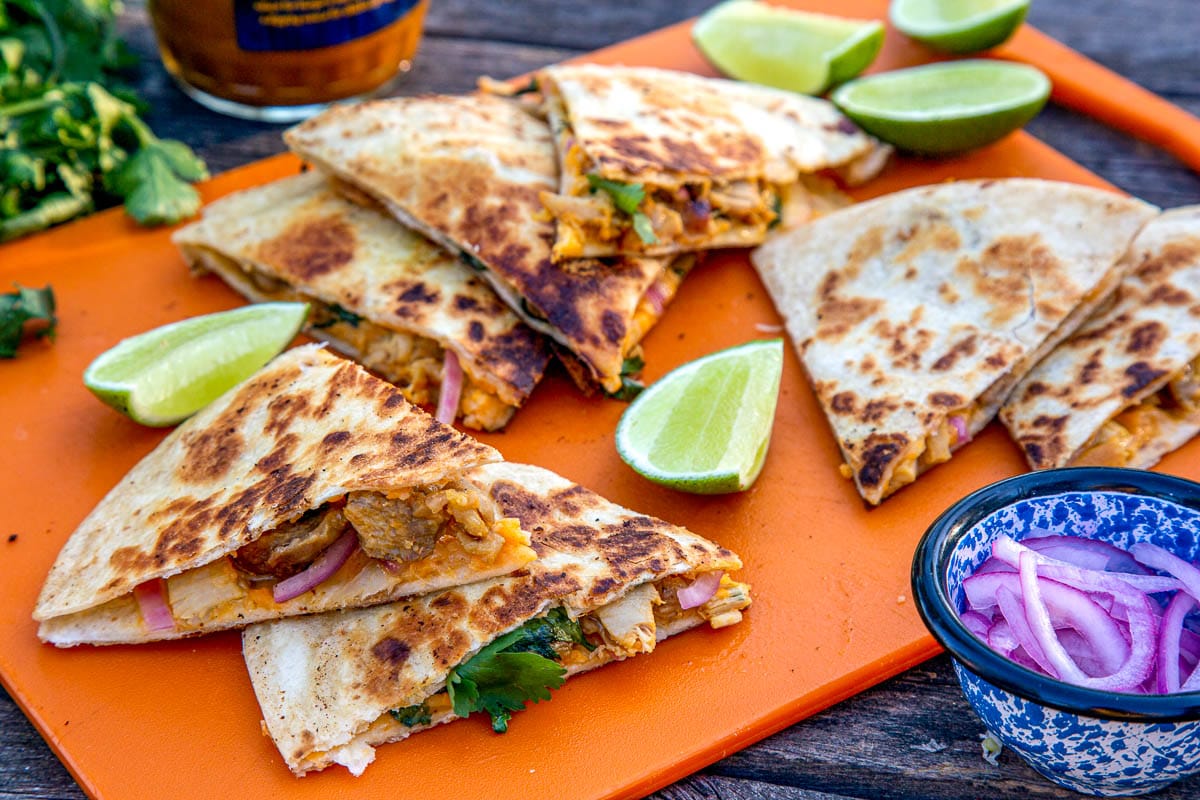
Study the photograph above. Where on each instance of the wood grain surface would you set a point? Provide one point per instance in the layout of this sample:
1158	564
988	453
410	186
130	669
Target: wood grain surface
913	736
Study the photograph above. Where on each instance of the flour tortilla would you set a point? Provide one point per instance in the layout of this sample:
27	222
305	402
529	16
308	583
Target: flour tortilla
928	305
326	683
692	144
1141	349
296	238
305	430
467	171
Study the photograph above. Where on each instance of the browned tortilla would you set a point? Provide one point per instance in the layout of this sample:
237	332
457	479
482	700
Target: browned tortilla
306	429
931	303
300	235
1123	356
325	683
467	172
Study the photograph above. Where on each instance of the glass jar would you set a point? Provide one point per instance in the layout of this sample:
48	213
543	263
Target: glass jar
284	60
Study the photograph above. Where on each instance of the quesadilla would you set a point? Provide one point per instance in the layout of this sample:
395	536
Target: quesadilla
1124	390
467	172
916	313
311	486
656	161
607	584
383	295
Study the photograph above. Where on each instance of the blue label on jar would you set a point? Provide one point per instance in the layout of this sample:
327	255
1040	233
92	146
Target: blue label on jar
265	25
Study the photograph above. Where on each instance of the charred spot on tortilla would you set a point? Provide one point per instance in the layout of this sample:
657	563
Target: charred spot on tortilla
315	248
843	402
879	451
947	399
1145	338
1140	376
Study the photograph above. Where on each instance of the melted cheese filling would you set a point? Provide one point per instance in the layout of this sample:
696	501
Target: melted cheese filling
411	361
936	448
1121	439
628	626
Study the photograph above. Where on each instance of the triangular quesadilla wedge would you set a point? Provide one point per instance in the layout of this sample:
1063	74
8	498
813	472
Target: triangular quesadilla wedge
608	583
383	295
1124	390
467	172
311	486
916	313
656	161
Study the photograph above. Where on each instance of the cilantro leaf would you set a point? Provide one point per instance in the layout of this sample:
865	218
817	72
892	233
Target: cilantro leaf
19	307
627	197
514	669
338	314
154	193
412	716
630	386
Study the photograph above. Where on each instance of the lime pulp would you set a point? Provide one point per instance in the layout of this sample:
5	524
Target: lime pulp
784	48
165	375
945	108
706	426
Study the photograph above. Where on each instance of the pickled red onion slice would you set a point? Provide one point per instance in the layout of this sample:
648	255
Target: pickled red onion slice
656	296
959	423
699	591
151	598
319	570
451	391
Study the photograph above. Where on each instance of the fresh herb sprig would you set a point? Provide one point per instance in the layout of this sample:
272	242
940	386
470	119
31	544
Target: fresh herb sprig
516	668
627	197
22	306
71	136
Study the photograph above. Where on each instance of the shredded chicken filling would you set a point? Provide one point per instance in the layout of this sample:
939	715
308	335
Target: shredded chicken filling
937	448
1121	439
391	530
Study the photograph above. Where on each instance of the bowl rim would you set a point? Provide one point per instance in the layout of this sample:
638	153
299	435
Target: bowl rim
933	602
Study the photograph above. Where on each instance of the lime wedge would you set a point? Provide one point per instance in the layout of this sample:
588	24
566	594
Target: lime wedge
704	428
959	26
165	375
784	48
945	108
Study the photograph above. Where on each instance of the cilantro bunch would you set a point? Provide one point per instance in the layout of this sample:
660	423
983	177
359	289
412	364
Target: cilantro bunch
518	667
627	197
71	136
23	306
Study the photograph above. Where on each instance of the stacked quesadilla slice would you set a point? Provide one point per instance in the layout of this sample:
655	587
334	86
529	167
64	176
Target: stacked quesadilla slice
656	161
312	486
915	314
380	293
468	172
1124	390
608	584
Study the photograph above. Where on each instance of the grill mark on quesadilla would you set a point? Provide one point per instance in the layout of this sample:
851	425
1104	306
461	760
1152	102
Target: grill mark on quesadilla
879	452
314	247
1140	376
392	651
335	439
1145	338
964	347
947	400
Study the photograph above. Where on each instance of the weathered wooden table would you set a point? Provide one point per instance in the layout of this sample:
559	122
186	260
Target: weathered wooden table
913	736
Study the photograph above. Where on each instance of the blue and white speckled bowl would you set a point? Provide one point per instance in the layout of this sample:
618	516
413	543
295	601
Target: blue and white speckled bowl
1099	743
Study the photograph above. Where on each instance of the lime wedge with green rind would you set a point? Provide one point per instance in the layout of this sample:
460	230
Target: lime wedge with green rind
959	26
705	427
788	49
165	375
939	109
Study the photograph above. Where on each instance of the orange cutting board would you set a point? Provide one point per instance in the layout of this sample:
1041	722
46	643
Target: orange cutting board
832	613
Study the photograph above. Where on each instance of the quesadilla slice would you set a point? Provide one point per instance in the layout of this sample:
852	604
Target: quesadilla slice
383	295
916	313
656	161
311	486
1124	390
607	584
467	172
